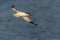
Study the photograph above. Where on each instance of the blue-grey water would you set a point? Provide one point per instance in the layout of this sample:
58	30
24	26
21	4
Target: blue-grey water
46	13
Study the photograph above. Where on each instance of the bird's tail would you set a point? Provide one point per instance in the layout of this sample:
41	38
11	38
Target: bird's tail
33	23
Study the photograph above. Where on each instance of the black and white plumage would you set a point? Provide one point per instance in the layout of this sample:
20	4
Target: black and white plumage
24	15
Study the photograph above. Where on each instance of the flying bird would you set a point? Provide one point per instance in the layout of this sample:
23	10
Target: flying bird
24	15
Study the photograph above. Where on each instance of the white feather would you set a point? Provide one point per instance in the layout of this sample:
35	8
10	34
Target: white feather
24	15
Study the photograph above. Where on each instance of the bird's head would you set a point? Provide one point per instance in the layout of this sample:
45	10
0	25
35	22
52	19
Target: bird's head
13	8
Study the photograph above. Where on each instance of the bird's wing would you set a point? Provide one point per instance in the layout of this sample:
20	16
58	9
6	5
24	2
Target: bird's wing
27	19
29	13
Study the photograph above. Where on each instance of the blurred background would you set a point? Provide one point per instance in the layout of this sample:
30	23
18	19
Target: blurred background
46	13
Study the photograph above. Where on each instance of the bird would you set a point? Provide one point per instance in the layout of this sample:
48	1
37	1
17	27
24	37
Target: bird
24	15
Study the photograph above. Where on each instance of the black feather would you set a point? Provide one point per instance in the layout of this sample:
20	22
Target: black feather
13	6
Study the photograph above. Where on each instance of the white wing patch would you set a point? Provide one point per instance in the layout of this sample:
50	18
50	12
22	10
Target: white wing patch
23	15
18	14
27	19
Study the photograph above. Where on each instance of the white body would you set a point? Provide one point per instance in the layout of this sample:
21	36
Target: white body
24	15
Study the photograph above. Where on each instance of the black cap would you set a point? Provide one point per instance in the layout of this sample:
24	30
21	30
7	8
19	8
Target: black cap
13	6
